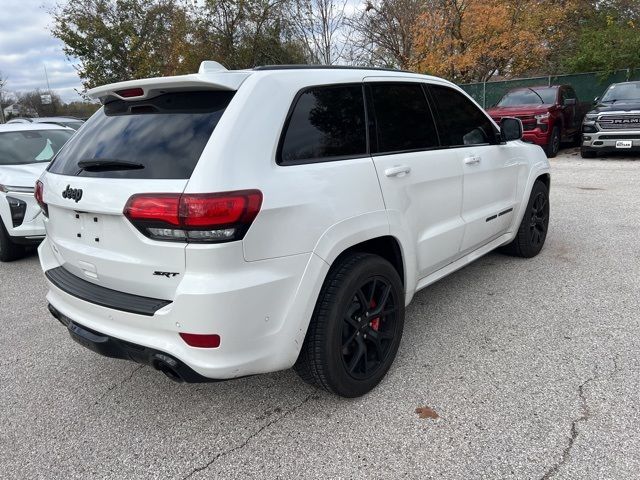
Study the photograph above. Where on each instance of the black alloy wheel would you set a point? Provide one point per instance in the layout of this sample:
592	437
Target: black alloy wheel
356	328
539	219
369	328
534	227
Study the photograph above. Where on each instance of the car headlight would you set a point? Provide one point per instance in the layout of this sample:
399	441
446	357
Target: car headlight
542	118
14	188
590	117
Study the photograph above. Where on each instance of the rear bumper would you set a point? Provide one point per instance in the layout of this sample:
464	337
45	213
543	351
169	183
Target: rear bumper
116	348
260	310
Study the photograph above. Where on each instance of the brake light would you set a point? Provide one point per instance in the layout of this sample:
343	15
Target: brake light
200	218
201	341
39	196
130	92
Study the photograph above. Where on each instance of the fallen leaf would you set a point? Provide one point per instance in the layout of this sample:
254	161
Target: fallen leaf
427	412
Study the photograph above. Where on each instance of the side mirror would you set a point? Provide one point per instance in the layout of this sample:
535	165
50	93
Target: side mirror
569	101
596	100
510	129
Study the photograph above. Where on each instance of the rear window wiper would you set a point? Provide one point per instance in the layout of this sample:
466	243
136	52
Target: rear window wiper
107	164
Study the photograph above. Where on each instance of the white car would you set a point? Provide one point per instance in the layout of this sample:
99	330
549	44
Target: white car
25	151
230	223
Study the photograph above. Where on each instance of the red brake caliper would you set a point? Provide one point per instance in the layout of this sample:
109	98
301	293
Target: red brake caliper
374	323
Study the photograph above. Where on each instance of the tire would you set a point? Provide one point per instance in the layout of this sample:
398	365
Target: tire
533	229
584	153
8	250
343	352
553	147
577	139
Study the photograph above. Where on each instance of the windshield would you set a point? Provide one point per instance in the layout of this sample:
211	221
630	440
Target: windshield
530	96
622	92
163	136
31	146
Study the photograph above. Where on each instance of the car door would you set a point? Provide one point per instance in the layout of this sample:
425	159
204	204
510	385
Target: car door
490	169
421	183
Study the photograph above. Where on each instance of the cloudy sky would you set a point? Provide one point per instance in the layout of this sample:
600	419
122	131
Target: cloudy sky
26	46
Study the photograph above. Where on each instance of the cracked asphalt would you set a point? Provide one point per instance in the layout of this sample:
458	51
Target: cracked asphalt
533	367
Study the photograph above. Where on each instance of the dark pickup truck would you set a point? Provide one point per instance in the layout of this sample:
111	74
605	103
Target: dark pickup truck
549	115
614	123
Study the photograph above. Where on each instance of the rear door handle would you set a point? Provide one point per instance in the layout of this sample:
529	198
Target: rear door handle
398	171
472	160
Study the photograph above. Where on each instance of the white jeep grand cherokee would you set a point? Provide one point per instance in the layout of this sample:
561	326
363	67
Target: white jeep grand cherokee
230	223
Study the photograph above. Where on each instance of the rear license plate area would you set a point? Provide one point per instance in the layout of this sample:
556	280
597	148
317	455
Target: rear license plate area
88	228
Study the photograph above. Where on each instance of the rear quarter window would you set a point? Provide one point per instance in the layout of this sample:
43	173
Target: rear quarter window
165	134
326	123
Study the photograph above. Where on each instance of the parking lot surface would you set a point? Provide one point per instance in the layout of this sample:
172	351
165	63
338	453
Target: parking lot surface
533	367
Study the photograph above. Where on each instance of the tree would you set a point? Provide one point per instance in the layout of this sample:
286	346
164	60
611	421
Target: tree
606	42
3	82
117	40
473	40
31	104
320	26
385	32
245	33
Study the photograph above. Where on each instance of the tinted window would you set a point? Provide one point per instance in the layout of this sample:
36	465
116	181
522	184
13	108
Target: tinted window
529	96
165	134
403	118
460	122
31	146
327	123
622	91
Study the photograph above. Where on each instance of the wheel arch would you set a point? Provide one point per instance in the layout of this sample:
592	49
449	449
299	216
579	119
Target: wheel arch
544	178
386	246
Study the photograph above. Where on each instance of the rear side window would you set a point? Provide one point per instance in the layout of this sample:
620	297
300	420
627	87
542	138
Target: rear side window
165	135
460	121
403	118
326	123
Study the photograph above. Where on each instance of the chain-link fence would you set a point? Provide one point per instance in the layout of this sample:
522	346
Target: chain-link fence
587	85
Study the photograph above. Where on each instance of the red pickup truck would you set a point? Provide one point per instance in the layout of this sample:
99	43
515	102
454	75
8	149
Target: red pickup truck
550	115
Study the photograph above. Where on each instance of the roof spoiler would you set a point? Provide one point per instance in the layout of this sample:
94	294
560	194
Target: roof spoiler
211	76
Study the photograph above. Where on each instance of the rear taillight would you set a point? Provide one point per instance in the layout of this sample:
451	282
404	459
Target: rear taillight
39	195
196	218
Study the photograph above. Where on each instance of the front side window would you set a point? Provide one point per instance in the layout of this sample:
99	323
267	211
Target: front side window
31	146
460	122
326	123
403	118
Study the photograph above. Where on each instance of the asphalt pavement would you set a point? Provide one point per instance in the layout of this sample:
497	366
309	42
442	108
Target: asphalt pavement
532	367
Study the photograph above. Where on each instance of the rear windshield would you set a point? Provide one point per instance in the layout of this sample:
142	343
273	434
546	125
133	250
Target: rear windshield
163	137
31	146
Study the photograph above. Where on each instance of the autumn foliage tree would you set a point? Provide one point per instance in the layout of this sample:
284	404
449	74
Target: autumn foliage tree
474	40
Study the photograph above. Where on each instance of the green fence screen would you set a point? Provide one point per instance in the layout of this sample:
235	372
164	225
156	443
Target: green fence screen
587	85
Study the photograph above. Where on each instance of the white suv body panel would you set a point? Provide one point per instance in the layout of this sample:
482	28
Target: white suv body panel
258	294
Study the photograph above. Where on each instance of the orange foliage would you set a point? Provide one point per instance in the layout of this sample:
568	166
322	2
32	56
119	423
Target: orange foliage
472	40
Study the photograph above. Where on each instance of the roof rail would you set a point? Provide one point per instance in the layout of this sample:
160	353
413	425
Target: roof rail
326	67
